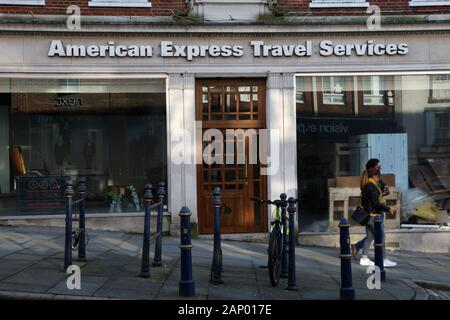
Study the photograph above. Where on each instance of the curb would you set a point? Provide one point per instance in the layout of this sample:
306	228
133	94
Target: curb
419	292
15	295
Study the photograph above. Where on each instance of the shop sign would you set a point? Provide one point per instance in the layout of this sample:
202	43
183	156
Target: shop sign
40	194
68	102
169	49
329	128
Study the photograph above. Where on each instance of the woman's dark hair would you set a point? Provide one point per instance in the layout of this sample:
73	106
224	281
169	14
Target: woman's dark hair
372	163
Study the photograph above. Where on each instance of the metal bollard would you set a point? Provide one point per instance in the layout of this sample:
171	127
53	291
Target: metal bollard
379	245
145	268
69	193
216	269
347	291
159	225
292	285
187	285
82	222
284	261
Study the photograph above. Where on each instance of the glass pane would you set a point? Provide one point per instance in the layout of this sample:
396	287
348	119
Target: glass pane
333	90
299	89
231	102
216	102
411	139
81	128
244	89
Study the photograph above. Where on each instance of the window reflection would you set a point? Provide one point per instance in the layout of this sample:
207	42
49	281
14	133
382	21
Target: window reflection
116	140
404	120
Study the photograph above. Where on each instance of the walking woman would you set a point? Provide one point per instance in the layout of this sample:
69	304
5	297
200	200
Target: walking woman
373	202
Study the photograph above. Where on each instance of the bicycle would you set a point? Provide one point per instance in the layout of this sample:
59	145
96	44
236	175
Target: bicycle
276	241
76	236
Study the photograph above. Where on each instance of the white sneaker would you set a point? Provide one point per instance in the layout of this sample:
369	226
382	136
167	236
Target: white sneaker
366	262
388	263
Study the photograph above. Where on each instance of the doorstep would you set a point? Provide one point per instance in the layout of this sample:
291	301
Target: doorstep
262	237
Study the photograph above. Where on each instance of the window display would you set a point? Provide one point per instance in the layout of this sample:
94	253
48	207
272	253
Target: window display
403	120
112	132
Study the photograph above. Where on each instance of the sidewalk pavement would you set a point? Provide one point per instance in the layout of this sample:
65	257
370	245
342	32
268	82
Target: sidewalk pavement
31	267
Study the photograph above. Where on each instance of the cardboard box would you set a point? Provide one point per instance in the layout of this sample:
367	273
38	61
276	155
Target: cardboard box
442	218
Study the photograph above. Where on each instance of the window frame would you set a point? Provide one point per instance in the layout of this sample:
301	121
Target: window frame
370	109
23	3
428	3
307	105
431	99
337	109
338	4
120	4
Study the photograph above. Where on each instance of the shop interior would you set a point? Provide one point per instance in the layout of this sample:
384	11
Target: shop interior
342	121
110	132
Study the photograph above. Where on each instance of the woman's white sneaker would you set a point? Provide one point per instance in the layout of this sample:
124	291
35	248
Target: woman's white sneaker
366	262
388	263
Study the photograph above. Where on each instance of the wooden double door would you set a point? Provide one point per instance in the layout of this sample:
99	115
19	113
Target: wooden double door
236	105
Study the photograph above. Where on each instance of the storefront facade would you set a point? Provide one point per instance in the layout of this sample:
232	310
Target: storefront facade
110	102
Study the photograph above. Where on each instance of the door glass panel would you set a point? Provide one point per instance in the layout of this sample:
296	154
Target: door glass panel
216	103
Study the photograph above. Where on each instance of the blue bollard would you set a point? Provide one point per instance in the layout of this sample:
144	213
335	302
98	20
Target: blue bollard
187	285
159	226
82	222
379	245
292	283
69	193
216	268
347	291
145	268
284	257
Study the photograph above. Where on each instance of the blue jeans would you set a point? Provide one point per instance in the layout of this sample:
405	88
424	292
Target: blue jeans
365	243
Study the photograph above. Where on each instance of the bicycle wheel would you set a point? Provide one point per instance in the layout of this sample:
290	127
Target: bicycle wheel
75	240
275	255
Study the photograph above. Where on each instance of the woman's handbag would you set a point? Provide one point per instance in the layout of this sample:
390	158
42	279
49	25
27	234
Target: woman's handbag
360	216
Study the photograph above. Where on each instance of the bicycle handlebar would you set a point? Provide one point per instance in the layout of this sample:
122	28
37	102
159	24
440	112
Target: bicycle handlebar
261	201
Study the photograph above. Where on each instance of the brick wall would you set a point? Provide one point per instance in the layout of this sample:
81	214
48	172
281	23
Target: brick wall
301	7
164	7
159	8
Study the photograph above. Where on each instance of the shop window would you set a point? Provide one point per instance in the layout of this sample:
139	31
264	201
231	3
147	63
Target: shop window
334	95
112	132
439	88
24	2
428	3
120	3
338	4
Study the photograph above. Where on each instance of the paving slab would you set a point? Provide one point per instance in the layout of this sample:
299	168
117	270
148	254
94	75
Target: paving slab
31	262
